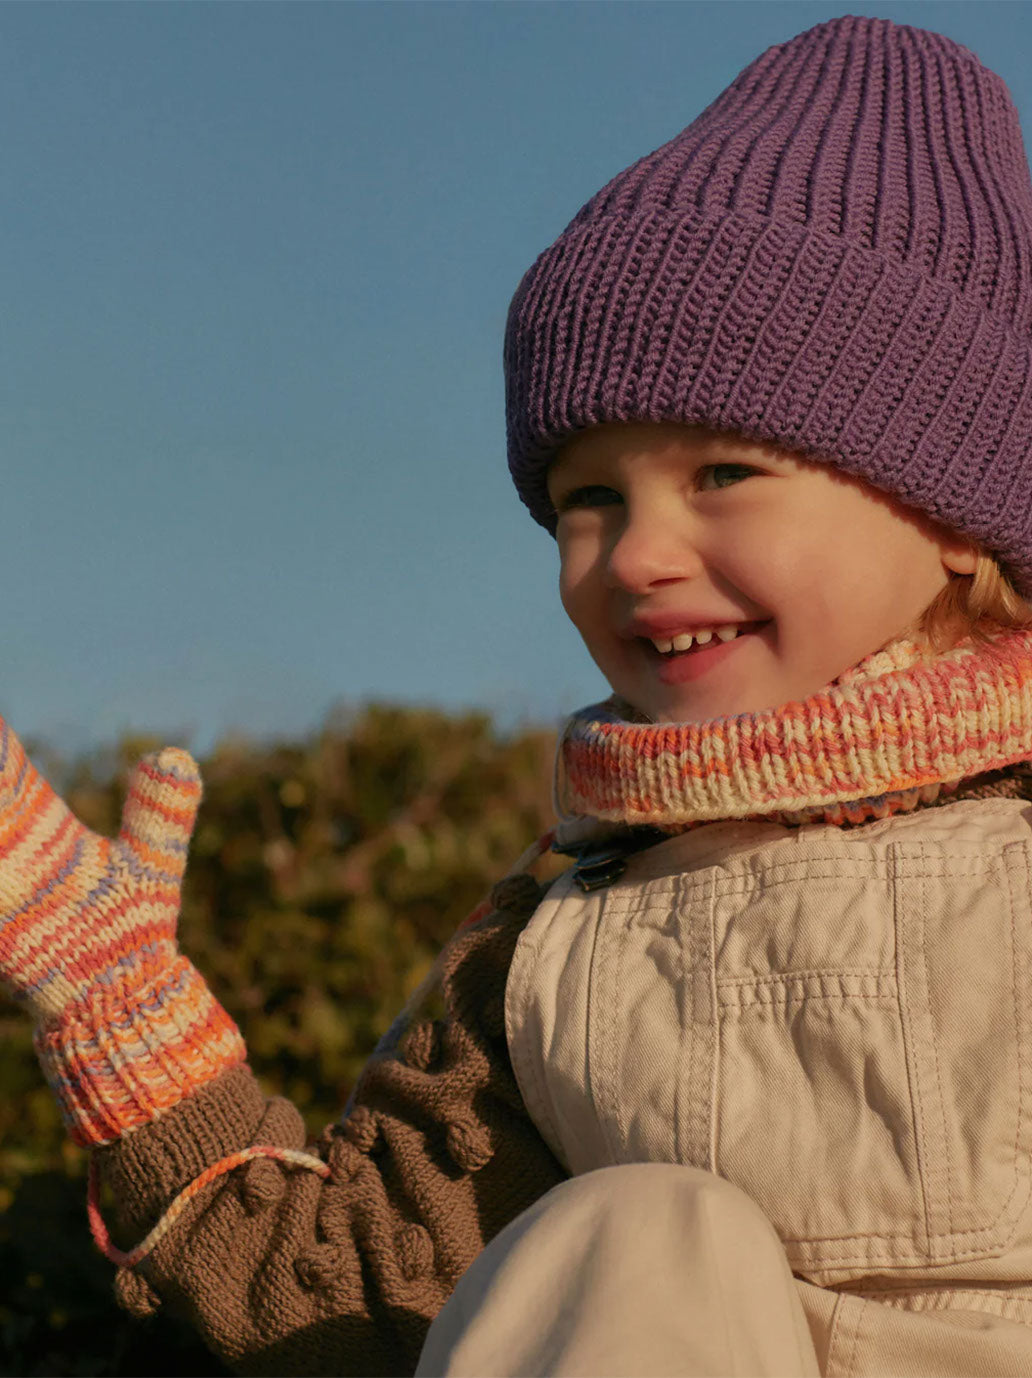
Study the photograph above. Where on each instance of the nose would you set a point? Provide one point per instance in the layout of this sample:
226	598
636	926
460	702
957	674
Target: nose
652	547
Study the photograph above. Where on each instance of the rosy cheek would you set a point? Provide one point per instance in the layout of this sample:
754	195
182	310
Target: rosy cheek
577	561
573	593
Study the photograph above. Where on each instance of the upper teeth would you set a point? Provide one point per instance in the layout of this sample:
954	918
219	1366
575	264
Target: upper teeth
684	641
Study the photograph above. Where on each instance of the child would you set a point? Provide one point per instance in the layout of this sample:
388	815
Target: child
749	1090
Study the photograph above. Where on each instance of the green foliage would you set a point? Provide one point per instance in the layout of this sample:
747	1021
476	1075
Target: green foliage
324	877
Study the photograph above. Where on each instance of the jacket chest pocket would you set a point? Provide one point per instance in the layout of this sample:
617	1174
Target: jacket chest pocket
847	1043
879	1109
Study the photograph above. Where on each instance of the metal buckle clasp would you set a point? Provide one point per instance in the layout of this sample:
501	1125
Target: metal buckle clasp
596	870
596	867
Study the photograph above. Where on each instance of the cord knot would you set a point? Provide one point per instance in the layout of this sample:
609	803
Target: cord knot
469	1143
261	1185
362	1128
135	1294
318	1267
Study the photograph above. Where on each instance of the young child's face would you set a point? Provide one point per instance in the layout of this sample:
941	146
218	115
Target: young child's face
666	529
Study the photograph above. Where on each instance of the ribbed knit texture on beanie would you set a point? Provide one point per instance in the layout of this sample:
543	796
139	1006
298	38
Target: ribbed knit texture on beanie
835	256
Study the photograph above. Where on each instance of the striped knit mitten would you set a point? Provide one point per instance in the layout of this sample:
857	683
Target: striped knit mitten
126	1027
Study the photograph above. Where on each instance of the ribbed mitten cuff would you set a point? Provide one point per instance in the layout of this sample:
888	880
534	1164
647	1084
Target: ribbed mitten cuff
120	1058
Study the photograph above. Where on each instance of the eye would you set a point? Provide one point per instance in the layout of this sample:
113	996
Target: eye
739	470
589	495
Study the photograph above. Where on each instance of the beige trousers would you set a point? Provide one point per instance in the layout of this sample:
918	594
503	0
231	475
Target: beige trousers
646	1269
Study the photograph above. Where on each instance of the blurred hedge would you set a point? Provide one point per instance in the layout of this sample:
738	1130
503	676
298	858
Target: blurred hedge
324	877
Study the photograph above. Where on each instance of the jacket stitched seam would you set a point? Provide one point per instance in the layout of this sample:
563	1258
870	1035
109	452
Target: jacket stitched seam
714	1034
813	998
838	866
975	1252
944	1299
835	1333
620	1111
601	1032
685	1021
875	832
940	1104
856	1337
802	985
911	1044
937	1107
804	972
537	1103
1019	1030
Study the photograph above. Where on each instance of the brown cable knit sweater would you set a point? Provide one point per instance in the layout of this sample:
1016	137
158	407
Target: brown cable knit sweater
283	1272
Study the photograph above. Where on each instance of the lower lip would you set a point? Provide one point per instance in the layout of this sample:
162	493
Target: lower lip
689	665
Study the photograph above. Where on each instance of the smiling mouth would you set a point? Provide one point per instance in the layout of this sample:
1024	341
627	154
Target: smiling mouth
672	652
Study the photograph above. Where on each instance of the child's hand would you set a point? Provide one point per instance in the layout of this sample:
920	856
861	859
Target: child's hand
79	913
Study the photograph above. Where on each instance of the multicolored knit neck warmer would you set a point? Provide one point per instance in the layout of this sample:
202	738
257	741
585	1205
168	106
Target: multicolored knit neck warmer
902	729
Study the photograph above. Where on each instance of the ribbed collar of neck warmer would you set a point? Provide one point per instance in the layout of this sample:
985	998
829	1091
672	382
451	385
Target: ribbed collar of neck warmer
902	729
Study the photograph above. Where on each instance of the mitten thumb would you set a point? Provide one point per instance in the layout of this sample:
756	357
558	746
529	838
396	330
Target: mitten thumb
163	797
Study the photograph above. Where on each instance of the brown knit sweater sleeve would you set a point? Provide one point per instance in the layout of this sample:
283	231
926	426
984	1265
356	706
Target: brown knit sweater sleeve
285	1272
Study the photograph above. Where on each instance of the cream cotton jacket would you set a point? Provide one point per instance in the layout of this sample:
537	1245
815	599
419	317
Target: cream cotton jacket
836	1020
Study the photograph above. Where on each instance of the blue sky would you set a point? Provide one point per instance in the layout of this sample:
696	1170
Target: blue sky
256	260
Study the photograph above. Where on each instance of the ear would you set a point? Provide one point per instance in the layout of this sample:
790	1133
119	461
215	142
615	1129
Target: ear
959	555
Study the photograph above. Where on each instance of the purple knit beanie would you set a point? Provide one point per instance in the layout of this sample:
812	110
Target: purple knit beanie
836	256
